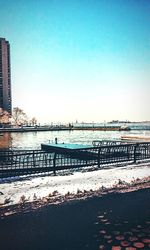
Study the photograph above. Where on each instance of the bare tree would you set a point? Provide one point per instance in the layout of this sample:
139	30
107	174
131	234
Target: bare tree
19	117
33	121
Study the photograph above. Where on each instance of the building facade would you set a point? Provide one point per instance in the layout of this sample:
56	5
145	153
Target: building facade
5	76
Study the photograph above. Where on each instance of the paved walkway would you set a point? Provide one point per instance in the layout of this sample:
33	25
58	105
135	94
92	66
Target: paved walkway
114	221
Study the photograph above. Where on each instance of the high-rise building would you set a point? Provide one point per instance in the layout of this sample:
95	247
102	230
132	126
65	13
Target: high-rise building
5	76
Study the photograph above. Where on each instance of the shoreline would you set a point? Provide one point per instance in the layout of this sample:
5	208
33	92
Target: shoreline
64	128
25	206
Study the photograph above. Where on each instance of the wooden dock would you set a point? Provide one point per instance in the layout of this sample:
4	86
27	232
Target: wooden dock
136	138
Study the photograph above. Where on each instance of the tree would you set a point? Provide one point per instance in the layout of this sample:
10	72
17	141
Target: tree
19	117
4	116
33	121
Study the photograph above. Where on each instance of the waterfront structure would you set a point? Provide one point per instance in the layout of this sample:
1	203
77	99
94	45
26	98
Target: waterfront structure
5	76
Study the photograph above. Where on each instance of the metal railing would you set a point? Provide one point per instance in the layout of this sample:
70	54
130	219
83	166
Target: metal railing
23	162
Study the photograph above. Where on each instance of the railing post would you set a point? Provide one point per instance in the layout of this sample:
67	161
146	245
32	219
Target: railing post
54	163
99	157
127	152
33	159
135	147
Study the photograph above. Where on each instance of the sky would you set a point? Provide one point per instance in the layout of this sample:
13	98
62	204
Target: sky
79	60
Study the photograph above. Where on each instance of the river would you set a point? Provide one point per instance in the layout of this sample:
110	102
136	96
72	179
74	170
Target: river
33	140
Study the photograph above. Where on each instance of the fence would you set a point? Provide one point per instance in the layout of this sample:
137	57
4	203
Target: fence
23	162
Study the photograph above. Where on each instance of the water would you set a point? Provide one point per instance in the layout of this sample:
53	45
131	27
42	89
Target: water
33	140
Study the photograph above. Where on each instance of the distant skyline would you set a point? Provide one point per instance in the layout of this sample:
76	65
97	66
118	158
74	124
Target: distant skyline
85	60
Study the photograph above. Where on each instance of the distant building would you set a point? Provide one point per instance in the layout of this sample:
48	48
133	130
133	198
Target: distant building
5	76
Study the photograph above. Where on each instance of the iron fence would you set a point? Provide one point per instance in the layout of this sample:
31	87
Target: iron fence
23	162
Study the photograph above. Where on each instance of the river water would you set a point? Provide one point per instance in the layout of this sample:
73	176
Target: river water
33	140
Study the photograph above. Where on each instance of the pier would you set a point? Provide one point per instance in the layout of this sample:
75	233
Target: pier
24	129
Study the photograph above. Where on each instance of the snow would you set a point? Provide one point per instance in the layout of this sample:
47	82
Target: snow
41	186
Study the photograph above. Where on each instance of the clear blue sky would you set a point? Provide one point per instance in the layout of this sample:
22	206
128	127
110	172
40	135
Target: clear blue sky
79	59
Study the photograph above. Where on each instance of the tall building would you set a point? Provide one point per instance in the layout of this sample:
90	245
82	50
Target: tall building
5	76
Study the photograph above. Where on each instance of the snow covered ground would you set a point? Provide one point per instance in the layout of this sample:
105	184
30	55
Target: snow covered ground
40	186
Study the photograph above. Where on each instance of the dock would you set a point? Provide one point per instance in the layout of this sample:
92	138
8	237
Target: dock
76	151
135	138
63	147
24	129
